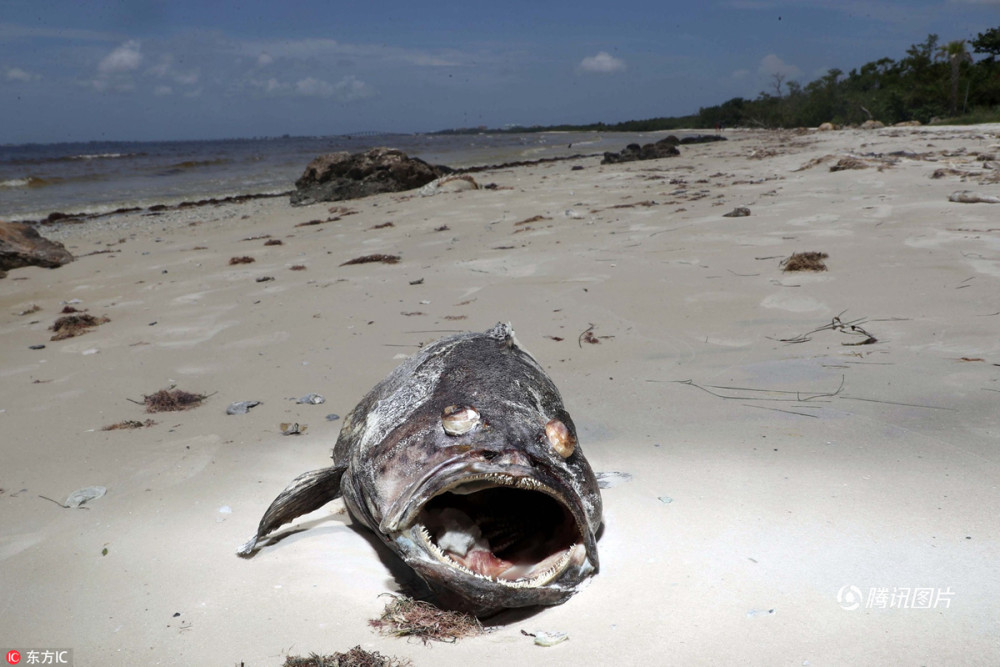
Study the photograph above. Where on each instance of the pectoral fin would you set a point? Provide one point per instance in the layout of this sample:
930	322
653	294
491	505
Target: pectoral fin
306	493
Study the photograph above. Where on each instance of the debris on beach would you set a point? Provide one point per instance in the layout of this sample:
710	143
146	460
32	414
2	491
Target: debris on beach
356	657
241	407
738	212
129	424
406	617
459	183
241	260
292	429
274	242
85	495
384	225
312	399
297	267
543	638
172	400
69	326
22	245
34	308
846	163
368	259
969	197
804	261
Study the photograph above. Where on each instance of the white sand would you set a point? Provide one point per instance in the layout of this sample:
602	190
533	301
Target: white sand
825	466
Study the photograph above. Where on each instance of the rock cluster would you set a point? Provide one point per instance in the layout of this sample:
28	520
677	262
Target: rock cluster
21	245
666	147
343	175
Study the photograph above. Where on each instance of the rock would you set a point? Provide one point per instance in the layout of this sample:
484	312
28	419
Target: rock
872	125
666	147
827	127
21	245
343	175
908	123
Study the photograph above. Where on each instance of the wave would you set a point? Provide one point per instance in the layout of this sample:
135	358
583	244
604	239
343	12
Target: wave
194	164
28	182
103	156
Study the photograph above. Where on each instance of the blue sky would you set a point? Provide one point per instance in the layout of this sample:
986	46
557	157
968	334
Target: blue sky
146	70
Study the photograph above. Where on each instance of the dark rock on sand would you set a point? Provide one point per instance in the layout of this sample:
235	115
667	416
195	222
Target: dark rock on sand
343	175
21	245
666	147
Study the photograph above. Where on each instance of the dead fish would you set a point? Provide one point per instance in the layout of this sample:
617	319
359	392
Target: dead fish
466	464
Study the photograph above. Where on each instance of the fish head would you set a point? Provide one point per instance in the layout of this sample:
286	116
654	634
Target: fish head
500	509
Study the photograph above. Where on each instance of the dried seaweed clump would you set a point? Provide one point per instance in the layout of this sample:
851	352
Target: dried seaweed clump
75	325
172	400
804	261
406	617
356	657
129	424
367	259
241	260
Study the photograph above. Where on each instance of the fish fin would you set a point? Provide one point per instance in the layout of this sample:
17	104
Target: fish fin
306	493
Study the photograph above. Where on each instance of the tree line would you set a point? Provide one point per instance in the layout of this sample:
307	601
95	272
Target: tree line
933	82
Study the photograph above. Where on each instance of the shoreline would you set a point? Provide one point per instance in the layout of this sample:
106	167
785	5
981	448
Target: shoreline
780	472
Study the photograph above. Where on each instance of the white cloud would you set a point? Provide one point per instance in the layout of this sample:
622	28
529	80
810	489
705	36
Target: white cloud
348	89
772	64
264	59
603	62
310	87
123	59
18	74
161	91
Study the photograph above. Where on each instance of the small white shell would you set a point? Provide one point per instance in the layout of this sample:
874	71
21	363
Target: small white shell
459	419
560	438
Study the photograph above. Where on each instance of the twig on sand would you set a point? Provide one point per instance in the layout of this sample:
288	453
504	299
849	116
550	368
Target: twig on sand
588	336
852	328
780	394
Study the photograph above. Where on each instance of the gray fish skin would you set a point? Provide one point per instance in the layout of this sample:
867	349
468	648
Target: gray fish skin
465	448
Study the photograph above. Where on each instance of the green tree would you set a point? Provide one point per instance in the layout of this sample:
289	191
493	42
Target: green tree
988	42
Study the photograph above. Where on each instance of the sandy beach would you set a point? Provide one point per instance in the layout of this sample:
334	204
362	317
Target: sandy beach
814	456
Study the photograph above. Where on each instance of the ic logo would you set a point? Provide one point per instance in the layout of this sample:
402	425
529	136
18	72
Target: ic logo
13	657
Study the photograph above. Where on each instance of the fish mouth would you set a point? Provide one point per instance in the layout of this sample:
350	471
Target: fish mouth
498	526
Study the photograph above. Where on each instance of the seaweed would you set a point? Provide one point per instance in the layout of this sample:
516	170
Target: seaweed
378	257
171	400
129	424
804	261
69	326
241	260
356	657
406	617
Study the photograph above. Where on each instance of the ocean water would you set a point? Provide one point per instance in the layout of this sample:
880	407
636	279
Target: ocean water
99	177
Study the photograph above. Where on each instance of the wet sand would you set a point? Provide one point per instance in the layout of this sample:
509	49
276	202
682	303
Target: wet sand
800	494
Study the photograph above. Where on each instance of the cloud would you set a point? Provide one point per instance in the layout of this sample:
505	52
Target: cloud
123	59
348	89
603	62
18	74
161	91
772	64
264	59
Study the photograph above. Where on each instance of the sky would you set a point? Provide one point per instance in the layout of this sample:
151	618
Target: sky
83	70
